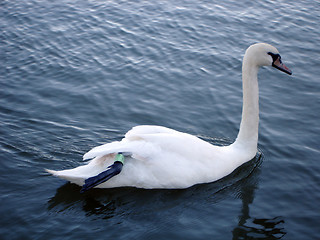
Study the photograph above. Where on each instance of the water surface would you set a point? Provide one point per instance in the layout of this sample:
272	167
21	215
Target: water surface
75	74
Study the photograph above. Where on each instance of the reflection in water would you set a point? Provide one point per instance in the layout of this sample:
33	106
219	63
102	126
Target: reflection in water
68	197
255	228
110	203
268	229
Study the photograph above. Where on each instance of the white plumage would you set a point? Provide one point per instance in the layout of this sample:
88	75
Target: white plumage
159	157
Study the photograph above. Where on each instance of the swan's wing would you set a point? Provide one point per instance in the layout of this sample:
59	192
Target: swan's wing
135	132
103	150
176	144
127	147
143	142
134	141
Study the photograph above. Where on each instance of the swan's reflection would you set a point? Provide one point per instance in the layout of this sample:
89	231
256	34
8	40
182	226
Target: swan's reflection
268	229
109	203
255	228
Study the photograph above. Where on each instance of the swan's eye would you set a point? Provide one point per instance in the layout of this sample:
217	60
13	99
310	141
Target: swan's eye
275	57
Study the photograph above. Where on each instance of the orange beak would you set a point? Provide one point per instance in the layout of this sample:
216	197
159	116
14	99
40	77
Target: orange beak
277	63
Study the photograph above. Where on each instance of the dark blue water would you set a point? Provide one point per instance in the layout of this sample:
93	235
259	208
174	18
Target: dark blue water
75	74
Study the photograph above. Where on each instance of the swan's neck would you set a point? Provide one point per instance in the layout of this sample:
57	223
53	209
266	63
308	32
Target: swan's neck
248	133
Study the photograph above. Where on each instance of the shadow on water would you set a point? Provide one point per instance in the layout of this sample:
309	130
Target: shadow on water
109	203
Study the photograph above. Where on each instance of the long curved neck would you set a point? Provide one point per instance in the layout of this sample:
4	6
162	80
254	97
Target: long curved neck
248	133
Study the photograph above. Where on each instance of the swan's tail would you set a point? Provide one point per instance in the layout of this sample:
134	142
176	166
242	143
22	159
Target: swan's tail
53	172
69	175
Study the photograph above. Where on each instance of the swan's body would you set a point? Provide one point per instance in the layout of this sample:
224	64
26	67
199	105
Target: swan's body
159	157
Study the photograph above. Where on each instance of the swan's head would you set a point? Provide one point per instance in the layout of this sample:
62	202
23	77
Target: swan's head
263	54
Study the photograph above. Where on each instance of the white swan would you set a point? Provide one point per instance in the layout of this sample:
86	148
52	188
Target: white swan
159	157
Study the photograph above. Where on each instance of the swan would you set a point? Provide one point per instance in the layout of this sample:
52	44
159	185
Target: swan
158	157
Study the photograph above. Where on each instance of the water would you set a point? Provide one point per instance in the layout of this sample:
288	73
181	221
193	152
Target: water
75	74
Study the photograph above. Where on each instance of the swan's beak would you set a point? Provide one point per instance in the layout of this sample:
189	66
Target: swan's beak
277	63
